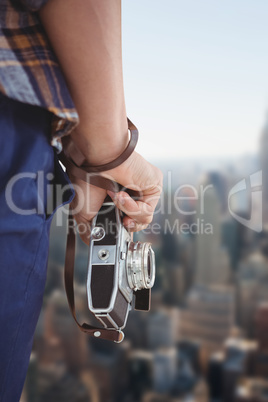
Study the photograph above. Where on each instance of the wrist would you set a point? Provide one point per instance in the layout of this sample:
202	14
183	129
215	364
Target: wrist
77	165
100	144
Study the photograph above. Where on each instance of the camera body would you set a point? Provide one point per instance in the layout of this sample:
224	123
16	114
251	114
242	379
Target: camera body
120	272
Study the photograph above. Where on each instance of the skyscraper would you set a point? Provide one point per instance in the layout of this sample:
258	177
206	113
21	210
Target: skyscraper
264	168
208	317
252	280
212	264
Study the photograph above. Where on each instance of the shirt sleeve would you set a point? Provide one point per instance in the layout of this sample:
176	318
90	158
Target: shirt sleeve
33	5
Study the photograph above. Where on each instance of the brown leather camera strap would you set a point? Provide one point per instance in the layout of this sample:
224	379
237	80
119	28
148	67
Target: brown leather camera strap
134	135
88	174
76	158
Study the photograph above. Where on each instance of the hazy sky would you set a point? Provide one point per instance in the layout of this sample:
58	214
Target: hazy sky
196	75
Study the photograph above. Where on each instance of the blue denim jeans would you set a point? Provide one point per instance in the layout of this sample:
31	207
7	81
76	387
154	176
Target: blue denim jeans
24	232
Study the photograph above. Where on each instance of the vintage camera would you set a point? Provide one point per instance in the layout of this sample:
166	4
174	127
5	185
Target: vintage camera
121	272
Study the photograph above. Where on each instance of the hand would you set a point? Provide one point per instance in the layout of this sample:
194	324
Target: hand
136	174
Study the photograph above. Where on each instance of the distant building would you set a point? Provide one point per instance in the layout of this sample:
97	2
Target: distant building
225	368
264	168
140	371
232	239
62	340
239	361
242	351
162	328
164	369
215	375
208	317
261	334
189	351
212	262
252	286
198	394
252	390
261	326
175	284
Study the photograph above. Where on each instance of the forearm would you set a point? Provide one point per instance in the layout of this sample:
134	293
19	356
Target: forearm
86	37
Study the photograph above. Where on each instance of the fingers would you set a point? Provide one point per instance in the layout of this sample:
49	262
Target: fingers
81	226
139	213
132	225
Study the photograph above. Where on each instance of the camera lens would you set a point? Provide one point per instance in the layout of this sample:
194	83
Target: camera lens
140	265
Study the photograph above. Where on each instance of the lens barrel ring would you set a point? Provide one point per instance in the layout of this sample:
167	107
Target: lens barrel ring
140	266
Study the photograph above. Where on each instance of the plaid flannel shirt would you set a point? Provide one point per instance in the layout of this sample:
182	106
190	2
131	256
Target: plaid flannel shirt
29	71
